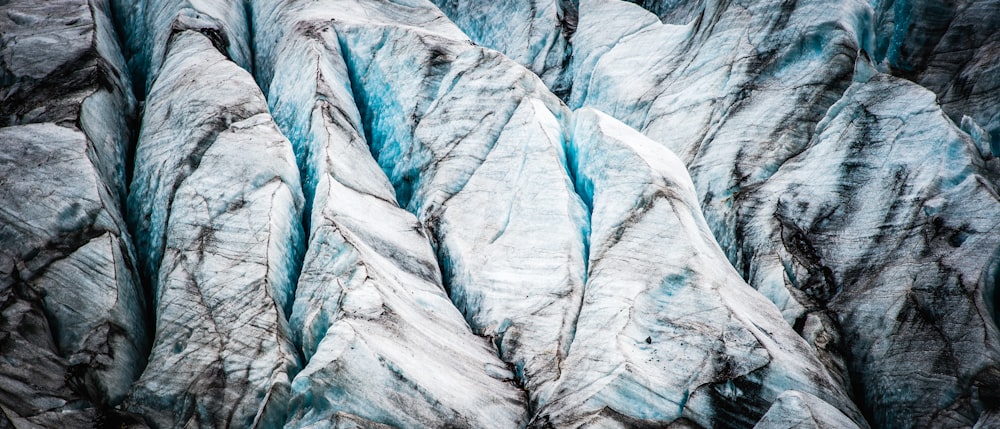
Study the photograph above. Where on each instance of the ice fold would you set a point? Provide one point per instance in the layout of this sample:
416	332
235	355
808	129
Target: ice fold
533	33
734	94
73	332
950	48
489	183
897	170
382	342
668	330
149	24
805	160
802	411
216	203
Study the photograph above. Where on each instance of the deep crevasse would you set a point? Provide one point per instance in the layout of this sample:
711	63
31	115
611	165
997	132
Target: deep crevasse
383	343
844	195
216	205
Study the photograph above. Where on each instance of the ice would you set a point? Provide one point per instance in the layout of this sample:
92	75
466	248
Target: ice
802	410
216	202
667	330
490	184
150	24
74	334
94	94
371	213
673	11
950	48
897	170
381	339
533	33
65	266
797	181
733	94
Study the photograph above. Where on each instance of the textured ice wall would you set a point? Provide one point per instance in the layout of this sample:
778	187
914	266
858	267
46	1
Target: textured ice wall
216	203
490	184
896	171
668	330
533	33
73	334
147	27
745	96
951	48
382	342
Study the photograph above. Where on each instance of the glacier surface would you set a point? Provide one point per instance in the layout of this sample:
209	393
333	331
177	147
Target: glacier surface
537	213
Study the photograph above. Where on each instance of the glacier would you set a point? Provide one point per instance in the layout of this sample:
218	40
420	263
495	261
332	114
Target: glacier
384	343
668	329
221	250
71	302
536	213
746	142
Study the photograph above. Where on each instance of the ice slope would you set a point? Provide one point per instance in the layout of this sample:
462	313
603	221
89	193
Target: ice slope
216	203
734	94
673	11
896	171
742	95
81	82
72	329
802	411
464	250
148	26
950	48
668	329
489	183
72	309
533	33
381	339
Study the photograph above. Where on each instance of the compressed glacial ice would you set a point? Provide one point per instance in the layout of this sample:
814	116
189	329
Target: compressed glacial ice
895	169
668	330
950	48
673	11
73	334
149	25
82	82
371	213
72	306
216	203
742	118
801	410
533	33
733	94
490	184
381	339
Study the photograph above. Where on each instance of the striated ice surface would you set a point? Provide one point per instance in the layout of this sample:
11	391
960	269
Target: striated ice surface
71	304
150	25
382	341
534	33
784	108
803	411
896	170
673	11
951	48
668	329
540	213
72	330
216	203
490	184
734	94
